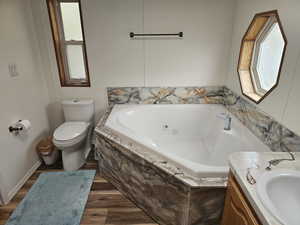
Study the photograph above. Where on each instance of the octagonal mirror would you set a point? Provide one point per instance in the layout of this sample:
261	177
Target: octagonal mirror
261	56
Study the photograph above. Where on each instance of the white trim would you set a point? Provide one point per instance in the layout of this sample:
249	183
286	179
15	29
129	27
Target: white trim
3	199
3	193
256	54
20	184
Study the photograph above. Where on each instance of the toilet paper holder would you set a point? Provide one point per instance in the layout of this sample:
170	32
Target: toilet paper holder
16	127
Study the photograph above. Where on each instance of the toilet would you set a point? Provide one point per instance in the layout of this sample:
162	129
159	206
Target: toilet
73	137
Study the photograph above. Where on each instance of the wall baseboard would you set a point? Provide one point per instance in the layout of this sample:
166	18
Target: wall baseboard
20	184
2	194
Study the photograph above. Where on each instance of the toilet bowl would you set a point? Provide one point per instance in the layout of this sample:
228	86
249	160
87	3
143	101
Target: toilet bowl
73	136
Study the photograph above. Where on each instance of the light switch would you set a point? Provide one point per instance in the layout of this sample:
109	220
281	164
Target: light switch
12	68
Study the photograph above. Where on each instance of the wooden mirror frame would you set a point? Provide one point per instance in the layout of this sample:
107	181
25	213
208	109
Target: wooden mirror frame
247	53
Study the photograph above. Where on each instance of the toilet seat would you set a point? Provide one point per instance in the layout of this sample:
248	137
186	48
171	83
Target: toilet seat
70	133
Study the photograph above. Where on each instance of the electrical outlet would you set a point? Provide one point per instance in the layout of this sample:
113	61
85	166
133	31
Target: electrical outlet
12	68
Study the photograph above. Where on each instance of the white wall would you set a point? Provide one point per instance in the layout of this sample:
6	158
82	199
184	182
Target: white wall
22	97
200	58
282	102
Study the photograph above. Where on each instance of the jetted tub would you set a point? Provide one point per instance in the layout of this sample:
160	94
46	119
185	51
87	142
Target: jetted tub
192	137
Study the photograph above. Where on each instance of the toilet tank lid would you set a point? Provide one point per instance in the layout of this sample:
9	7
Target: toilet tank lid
78	101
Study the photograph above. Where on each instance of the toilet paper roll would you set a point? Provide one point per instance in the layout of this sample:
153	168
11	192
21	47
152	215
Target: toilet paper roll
25	124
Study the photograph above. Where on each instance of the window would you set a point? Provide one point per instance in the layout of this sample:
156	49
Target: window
261	56
68	36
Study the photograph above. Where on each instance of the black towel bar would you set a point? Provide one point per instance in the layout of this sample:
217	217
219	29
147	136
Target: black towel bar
132	35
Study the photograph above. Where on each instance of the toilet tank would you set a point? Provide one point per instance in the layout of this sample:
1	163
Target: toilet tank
78	109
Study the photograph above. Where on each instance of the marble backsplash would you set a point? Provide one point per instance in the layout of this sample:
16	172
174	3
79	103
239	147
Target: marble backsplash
268	130
165	95
277	137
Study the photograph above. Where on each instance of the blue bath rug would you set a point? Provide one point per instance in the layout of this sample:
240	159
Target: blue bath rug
57	198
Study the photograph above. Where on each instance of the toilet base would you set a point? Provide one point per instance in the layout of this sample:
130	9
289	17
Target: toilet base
72	160
74	157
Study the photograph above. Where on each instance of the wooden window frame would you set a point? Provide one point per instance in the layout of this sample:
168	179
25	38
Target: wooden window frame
247	52
60	45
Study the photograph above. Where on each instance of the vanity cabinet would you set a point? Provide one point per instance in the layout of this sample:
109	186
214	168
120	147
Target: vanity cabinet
237	210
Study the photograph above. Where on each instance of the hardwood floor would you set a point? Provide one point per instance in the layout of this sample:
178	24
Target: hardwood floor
105	205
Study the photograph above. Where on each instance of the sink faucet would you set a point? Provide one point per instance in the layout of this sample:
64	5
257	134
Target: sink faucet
227	119
275	162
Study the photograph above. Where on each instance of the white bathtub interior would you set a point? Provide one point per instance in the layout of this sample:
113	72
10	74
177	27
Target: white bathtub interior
188	135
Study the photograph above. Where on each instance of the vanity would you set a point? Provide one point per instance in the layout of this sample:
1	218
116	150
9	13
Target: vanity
238	210
256	196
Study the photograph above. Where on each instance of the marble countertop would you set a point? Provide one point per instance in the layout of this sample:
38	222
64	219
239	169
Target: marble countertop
240	162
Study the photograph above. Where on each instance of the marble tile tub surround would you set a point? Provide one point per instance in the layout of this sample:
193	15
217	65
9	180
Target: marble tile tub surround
111	147
164	197
102	131
168	195
239	163
268	130
165	95
277	137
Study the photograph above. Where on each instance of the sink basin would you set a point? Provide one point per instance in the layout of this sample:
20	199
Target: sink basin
279	192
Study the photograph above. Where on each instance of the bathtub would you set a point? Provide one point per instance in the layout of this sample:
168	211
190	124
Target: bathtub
191	137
